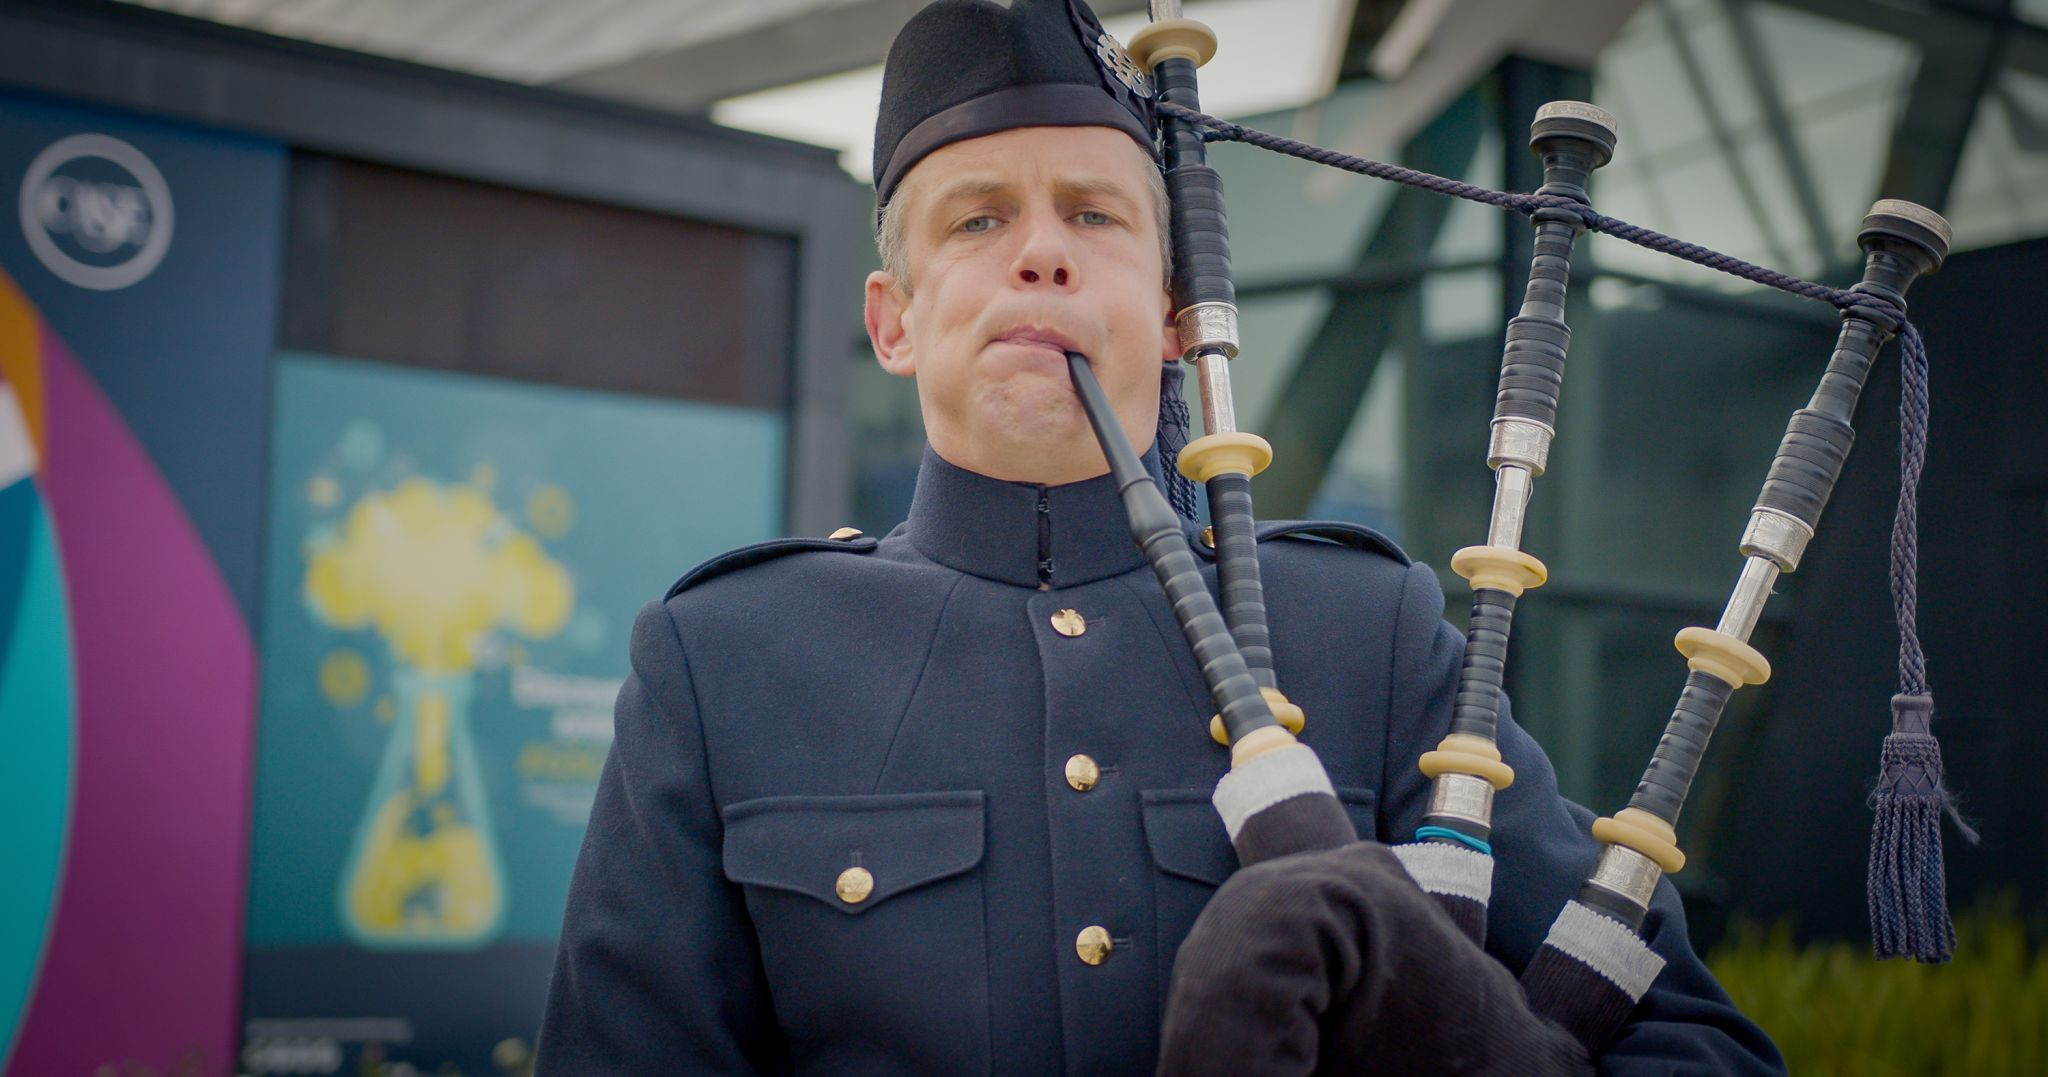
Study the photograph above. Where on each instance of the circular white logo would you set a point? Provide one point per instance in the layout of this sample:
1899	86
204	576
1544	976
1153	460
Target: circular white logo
96	212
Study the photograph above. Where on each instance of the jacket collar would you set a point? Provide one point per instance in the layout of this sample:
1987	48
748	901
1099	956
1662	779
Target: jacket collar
1003	531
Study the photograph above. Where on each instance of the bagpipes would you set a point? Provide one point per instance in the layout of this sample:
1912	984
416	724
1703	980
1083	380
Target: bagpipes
1277	799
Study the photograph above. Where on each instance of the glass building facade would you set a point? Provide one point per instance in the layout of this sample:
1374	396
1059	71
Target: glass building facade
1372	322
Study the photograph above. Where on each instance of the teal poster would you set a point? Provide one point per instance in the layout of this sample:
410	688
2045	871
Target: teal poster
453	564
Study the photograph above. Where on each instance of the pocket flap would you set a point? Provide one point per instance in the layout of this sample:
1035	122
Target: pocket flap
1187	838
804	844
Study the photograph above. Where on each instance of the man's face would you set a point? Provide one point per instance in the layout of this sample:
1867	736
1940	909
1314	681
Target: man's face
1023	245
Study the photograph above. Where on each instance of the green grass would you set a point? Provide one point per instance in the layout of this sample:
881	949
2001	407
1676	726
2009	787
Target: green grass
1834	1009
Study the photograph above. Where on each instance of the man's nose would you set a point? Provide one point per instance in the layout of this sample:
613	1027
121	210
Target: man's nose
1043	254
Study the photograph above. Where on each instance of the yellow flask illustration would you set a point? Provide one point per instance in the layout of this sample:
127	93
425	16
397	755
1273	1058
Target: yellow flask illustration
424	872
435	571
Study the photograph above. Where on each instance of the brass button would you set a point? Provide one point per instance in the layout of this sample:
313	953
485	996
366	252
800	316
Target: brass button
845	533
1069	623
854	885
1082	773
1093	944
1209	537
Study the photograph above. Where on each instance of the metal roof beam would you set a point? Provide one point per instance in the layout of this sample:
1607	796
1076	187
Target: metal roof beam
825	42
1756	65
2026	45
1956	69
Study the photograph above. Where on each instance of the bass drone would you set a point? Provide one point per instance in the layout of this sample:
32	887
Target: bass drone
1277	800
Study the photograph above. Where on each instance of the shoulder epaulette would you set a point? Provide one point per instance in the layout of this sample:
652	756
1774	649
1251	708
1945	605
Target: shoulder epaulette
1356	536
748	556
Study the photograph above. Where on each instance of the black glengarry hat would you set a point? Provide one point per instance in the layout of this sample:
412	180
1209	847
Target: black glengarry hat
962	69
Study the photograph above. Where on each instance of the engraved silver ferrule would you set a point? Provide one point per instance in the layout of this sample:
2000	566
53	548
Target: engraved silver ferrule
1520	441
1916	213
1512	485
1577	109
1205	327
1160	10
1776	535
1628	873
1466	797
1746	602
1212	371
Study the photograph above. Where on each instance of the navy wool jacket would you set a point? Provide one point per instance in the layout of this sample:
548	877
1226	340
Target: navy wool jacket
907	707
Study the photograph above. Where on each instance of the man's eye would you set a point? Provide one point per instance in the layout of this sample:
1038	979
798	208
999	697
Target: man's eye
1092	216
978	224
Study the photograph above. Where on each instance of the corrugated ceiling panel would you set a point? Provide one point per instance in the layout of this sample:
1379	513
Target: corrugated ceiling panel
520	40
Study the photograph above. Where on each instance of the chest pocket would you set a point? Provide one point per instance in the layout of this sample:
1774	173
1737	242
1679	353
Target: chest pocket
868	911
1193	856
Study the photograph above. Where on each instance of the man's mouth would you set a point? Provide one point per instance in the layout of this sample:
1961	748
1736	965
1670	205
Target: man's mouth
1035	337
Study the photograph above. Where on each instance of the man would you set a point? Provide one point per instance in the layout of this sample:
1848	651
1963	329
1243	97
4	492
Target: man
939	803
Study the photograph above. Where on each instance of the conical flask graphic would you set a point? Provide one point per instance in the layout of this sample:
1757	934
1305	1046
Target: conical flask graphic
435	570
423	873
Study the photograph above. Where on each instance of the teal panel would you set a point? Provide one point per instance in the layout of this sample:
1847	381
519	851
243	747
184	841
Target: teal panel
35	770
452	570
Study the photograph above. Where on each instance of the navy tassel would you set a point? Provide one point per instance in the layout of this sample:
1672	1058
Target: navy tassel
1908	894
1173	437
1908	890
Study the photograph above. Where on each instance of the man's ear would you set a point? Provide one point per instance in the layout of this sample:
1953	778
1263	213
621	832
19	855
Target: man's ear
886	310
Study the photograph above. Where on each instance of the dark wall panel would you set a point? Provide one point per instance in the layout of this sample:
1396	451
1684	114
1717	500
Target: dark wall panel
425	270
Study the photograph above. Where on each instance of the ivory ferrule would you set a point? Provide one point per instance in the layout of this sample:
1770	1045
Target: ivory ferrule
1524	442
1628	873
1172	37
1499	568
1291	718
1746	602
1776	535
1258	742
1224	454
1644	834
1722	655
1463	753
1466	797
1205	327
